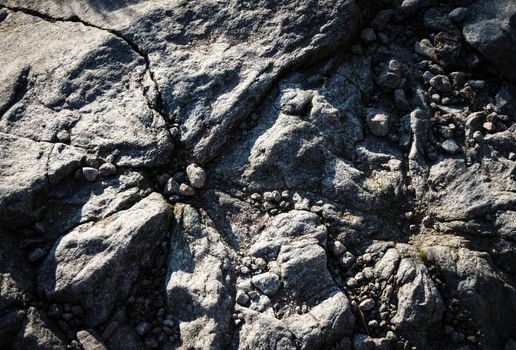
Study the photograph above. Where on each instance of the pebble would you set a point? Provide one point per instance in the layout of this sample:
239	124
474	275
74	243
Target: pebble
90	340
90	174
186	190
107	169
143	328
268	283
196	175
378	124
109	330
477	136
450	146
458	15
477	84
373	324
351	282
457	337
441	83
171	186
512	156
242	298
63	136
489	126
368	35
37	254
366	304
337	248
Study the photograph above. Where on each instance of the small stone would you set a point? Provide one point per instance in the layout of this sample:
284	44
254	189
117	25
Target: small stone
196	175
366	304
368	35
450	146
391	336
337	248
143	328
413	228
477	136
63	136
347	260
458	15
363	342
171	187
37	254
168	323
351	282
268	283
110	330
378	124
90	174
512	156
441	83
107	169
242	298
186	190
489	126
256	197
90	340
457	337
477	84
373	324
409	215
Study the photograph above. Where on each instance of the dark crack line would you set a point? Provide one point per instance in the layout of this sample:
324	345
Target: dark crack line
75	19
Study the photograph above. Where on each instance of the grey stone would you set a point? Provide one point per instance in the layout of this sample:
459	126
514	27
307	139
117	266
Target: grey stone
196	175
107	169
366	304
90	173
441	83
458	14
96	263
378	124
450	146
90	340
186	190
268	283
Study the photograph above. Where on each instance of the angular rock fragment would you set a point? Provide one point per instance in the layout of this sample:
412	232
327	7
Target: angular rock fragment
96	263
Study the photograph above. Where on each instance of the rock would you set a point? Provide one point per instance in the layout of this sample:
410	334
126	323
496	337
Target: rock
186	190
419	302
196	175
378	124
441	83
107	169
90	340
490	30
195	274
37	254
268	283
63	136
242	298
450	146
381	19
458	14
110	330
36	333
143	328
363	342
366	304
96	263
90	173
368	35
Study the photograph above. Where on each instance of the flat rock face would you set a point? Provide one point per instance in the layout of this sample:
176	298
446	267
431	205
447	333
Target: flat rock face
308	174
